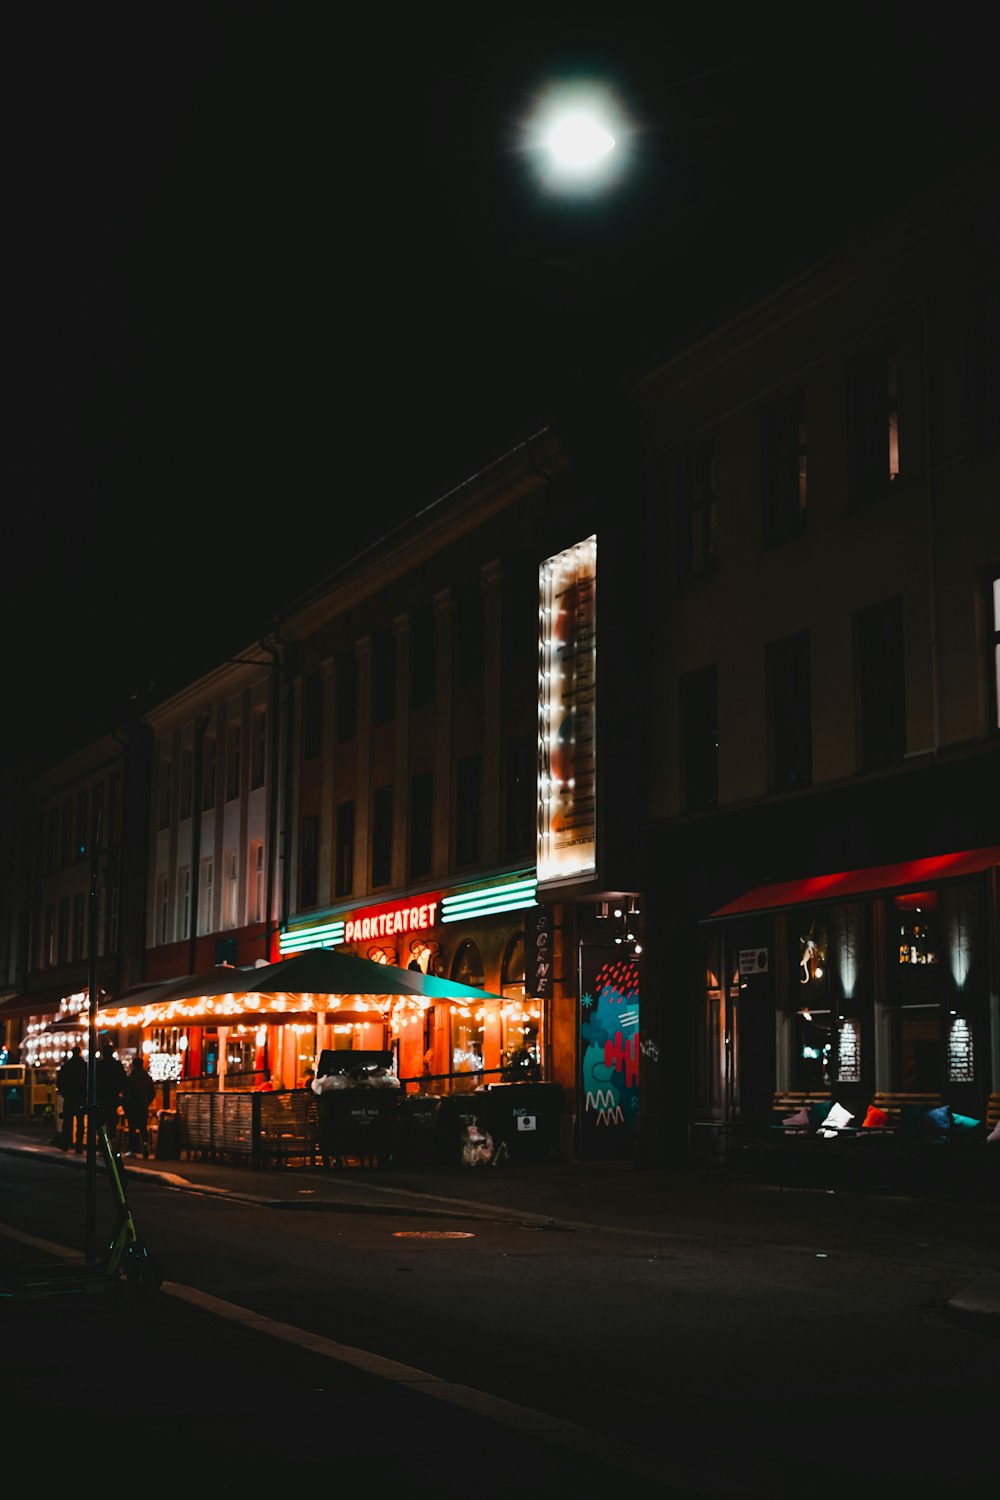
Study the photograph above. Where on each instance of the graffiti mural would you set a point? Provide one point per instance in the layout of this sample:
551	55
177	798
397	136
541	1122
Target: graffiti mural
609	1053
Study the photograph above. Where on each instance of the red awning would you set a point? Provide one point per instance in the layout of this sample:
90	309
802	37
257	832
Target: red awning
816	889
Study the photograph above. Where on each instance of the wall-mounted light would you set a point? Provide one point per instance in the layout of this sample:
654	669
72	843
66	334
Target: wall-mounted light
602	911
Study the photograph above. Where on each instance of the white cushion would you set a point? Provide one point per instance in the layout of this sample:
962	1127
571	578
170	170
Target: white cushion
836	1120
994	1134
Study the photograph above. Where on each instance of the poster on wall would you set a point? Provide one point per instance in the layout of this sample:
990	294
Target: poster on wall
609	1053
567	685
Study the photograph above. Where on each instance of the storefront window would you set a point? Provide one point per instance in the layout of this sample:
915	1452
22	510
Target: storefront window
935	961
520	1018
467	1021
812	1062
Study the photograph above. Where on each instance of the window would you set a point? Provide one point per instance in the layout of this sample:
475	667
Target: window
784	444
468	792
100	832
519	793
309	861
699	740
79	925
423	657
115	806
467	635
166	792
162	909
206	896
312	716
347	696
49	937
789	712
208	772
467	1026
234	760
881	690
186	773
66	832
111	927
63	950
383	677
82	832
693	496
873	418
258	751
994	607
184	903
257	880
382	835
53	843
344	874
232	891
421	825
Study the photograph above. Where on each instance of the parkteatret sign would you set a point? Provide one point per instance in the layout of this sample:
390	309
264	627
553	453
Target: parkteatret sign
386	921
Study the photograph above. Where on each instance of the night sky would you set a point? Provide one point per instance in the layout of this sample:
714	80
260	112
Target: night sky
280	275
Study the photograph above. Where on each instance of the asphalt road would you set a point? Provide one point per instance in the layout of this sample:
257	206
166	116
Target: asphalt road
404	1331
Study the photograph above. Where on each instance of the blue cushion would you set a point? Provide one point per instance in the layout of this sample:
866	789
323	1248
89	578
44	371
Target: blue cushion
940	1118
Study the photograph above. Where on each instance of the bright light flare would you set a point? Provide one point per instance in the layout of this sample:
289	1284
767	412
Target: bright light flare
578	136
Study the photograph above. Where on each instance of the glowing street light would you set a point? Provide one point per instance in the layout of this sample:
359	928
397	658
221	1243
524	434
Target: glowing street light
576	134
578	140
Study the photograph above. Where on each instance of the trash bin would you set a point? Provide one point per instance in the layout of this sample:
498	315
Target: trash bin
168	1135
418	1129
457	1113
525	1118
357	1106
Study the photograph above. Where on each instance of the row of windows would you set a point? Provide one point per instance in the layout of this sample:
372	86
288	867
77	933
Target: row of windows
64	934
173	919
66	833
519	825
876	455
881	701
209	790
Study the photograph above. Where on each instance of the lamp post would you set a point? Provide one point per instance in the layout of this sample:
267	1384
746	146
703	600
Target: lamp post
92	930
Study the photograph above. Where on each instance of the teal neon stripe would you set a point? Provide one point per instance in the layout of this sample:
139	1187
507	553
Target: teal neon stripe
495	893
486	911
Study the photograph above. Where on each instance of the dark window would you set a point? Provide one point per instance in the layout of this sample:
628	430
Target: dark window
53	841
67	833
344	874
185	787
383	677
699	740
347	696
468	791
382	835
234	761
520	793
784	443
423	656
115	801
873	425
693	494
63	952
309	866
467	635
421	814
258	749
208	772
79	925
100	833
790	711
881	687
82	832
166	791
312	716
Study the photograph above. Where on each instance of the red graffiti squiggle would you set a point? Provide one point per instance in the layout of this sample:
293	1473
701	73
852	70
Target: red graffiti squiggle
620	1052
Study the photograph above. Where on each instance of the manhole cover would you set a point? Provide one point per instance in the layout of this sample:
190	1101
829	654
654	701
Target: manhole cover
433	1234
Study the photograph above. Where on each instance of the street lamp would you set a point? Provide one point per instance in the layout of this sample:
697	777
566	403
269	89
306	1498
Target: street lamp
578	134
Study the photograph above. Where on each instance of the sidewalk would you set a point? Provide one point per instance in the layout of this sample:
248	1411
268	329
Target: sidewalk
616	1198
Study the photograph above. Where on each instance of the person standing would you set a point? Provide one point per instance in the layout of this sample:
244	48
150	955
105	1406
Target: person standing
111	1080
140	1091
71	1081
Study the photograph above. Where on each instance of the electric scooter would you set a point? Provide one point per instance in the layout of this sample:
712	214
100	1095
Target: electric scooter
126	1257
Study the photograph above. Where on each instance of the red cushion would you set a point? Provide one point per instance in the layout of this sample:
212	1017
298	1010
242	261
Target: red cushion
876	1117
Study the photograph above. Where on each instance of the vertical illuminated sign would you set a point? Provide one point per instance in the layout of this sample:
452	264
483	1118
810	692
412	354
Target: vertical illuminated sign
567	685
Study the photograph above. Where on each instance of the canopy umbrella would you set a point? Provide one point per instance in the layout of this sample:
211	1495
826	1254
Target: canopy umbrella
324	971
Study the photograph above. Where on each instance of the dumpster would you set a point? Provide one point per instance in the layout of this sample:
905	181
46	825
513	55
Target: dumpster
357	1097
461	1124
525	1118
419	1140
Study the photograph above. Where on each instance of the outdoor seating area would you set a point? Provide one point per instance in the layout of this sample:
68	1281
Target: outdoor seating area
903	1142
